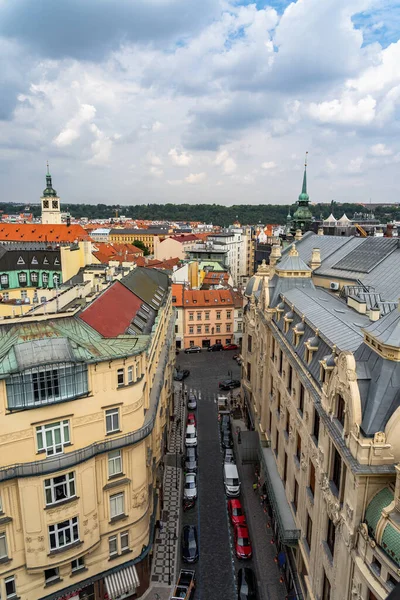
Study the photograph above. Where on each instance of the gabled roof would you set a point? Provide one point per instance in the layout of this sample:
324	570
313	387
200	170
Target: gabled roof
207	298
292	262
151	285
177	294
112	312
33	232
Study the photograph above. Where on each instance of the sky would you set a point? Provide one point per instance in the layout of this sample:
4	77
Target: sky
200	101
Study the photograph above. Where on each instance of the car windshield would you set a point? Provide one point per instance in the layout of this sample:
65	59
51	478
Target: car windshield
190	435
232	481
237	512
190	485
243	541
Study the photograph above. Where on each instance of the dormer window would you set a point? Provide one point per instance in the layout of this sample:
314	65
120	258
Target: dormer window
327	364
288	318
298	331
311	345
279	310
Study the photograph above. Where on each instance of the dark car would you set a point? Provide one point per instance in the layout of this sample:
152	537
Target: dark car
225	423
189	461
226	439
215	348
229	384
190	547
247	584
192	349
181	375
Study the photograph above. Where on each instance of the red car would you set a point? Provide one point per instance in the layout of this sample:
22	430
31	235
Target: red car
191	419
231	347
242	542
236	512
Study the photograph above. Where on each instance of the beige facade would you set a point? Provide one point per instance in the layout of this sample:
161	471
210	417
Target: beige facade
305	397
170	247
79	479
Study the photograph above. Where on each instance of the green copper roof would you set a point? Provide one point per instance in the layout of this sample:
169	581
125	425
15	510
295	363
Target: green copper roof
83	342
375	507
49	191
391	543
304	196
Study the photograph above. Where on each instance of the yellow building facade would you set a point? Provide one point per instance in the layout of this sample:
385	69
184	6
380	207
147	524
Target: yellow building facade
82	426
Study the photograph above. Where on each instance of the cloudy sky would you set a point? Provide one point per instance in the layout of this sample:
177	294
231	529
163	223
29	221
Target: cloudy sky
136	101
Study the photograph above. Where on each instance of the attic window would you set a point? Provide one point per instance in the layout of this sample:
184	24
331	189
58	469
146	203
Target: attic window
207	300
311	345
298	331
327	364
194	301
173	298
288	318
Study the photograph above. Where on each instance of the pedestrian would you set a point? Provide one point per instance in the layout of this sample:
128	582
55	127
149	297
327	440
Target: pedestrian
161	525
255	487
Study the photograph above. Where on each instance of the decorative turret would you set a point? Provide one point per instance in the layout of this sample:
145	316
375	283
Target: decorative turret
302	217
51	214
315	261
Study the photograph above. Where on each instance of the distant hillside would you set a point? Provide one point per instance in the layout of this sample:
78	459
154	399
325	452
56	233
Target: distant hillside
208	213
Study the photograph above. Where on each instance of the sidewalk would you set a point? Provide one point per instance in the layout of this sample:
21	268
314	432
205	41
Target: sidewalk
267	571
166	543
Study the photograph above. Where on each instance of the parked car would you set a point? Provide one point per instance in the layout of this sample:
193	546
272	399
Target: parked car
191	419
236	512
229	384
192	349
215	348
192	402
231	480
190	487
191	436
226	439
190	546
229	456
225	422
242	542
247	584
231	347
181	375
189	461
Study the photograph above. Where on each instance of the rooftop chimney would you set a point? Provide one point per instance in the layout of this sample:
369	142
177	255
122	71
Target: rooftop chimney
298	235
315	261
275	255
320	231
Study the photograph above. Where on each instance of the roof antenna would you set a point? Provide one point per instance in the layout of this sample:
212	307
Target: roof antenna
48	171
305	162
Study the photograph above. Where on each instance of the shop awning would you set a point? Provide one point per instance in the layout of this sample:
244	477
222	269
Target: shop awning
122	582
288	531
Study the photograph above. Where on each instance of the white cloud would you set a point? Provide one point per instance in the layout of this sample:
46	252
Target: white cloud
355	165
156	171
153	159
344	111
180	158
101	147
174	181
330	166
380	150
268	165
157	126
225	161
195	177
72	130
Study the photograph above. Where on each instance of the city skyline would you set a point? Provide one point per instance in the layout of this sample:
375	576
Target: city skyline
154	102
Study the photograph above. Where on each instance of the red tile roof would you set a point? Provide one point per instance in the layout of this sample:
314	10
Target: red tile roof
119	252
36	232
207	298
177	292
111	313
183	238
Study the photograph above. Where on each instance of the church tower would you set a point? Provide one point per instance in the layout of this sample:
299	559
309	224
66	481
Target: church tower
51	214
302	218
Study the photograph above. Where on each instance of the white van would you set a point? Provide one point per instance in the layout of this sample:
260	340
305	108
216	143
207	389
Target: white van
231	480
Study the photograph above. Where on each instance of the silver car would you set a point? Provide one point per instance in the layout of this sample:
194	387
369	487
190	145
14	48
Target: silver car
192	402
190	488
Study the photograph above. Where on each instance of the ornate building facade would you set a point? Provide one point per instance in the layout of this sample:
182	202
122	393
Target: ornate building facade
84	402
321	383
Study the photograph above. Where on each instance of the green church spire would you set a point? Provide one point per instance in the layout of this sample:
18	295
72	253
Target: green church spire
49	191
304	196
302	217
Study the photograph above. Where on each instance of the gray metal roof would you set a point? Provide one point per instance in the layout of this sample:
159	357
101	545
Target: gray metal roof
292	263
340	324
280	285
328	244
387	329
379	385
367	255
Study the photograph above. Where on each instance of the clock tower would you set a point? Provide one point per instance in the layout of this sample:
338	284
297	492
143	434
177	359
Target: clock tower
51	214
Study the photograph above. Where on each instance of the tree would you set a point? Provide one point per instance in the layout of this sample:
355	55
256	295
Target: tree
139	244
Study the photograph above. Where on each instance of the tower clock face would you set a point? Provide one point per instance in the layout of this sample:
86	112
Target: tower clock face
55	203
45	204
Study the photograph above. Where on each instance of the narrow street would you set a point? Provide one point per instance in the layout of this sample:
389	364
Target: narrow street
216	569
